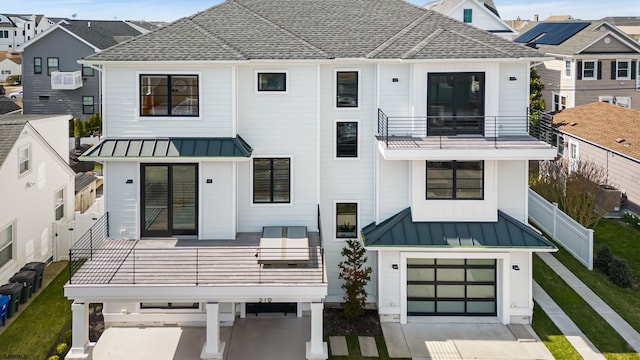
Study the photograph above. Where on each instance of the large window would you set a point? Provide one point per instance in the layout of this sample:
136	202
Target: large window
467	16
24	159
346	220
58	204
346	139
347	89
272	81
455	104
455	180
87	105
53	64
169	95
37	65
272	180
6	245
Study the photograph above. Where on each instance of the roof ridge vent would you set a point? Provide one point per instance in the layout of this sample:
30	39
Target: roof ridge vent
573	123
619	140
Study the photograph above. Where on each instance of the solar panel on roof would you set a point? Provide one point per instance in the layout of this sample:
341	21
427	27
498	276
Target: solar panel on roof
552	33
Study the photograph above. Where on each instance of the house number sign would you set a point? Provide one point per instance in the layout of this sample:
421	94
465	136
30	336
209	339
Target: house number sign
264	300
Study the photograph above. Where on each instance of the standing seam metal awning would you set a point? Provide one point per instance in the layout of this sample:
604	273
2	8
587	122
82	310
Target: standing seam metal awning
169	147
400	231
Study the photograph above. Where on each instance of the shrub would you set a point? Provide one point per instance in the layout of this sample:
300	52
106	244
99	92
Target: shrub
61	349
603	259
356	276
53	357
632	220
620	273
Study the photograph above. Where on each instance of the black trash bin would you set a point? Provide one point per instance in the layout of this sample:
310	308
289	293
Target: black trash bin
38	267
13	290
26	279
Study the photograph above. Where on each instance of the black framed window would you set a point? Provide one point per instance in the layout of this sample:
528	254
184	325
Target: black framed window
346	220
87	70
461	287
53	64
272	180
37	65
169	95
455	180
347	89
347	139
272	81
88	105
455	103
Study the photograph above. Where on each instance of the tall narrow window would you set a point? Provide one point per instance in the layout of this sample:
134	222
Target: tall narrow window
468	16
87	105
347	89
346	139
6	245
589	70
52	65
37	65
455	180
58	204
567	68
623	70
272	180
24	160
346	220
169	95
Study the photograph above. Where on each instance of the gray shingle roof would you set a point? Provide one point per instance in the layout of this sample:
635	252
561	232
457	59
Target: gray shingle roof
7	105
101	33
400	230
310	29
83	180
10	129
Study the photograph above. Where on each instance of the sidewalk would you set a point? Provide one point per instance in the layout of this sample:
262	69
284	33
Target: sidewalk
631	336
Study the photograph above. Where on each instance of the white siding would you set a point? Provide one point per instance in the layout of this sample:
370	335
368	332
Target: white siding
280	125
122	198
389	285
520	283
217	201
122	99
512	188
394	189
28	201
481	18
394	96
56	132
514	94
454	210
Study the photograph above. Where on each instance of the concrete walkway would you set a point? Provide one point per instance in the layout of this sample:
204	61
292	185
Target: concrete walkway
580	342
623	328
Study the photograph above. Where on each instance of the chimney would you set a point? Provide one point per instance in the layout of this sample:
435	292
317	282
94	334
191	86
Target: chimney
535	17
89	23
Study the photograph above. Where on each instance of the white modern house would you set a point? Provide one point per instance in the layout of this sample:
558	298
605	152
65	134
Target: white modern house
244	144
482	14
37	188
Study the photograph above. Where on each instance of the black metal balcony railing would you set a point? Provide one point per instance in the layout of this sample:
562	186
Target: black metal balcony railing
95	259
491	127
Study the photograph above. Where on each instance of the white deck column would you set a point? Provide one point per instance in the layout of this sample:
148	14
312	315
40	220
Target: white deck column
80	327
213	347
316	348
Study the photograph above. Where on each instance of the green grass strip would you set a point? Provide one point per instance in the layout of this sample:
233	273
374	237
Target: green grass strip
603	336
35	331
552	337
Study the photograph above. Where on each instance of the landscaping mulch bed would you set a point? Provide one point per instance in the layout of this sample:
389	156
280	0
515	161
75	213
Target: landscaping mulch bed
336	324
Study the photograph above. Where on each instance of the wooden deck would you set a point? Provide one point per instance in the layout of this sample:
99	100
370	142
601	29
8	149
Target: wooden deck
194	262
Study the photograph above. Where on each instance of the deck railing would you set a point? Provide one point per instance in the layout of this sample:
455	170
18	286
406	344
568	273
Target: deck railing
83	249
493	127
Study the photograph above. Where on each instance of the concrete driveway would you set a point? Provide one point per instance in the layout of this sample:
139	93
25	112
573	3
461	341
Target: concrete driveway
264	337
463	341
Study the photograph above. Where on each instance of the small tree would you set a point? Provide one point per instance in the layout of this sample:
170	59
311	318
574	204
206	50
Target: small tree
356	276
536	102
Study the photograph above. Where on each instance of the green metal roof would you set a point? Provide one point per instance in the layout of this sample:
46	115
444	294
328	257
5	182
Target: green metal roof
170	147
400	230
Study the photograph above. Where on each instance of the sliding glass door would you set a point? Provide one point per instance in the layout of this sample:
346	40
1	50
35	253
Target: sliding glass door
169	199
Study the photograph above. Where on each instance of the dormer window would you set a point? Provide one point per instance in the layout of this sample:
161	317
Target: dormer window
467	16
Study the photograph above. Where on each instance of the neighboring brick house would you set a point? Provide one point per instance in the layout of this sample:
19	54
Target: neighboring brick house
594	61
609	136
263	133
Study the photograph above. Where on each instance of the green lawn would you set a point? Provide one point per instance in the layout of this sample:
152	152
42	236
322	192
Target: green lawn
623	240
552	337
603	336
35	331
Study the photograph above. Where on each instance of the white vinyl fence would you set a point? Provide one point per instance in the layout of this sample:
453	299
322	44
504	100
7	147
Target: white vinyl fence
575	238
70	232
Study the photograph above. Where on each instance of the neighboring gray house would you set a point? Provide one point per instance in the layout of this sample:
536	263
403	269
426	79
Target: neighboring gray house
593	61
53	80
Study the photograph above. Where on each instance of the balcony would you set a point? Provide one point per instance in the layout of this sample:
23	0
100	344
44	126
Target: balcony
61	80
96	261
468	137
